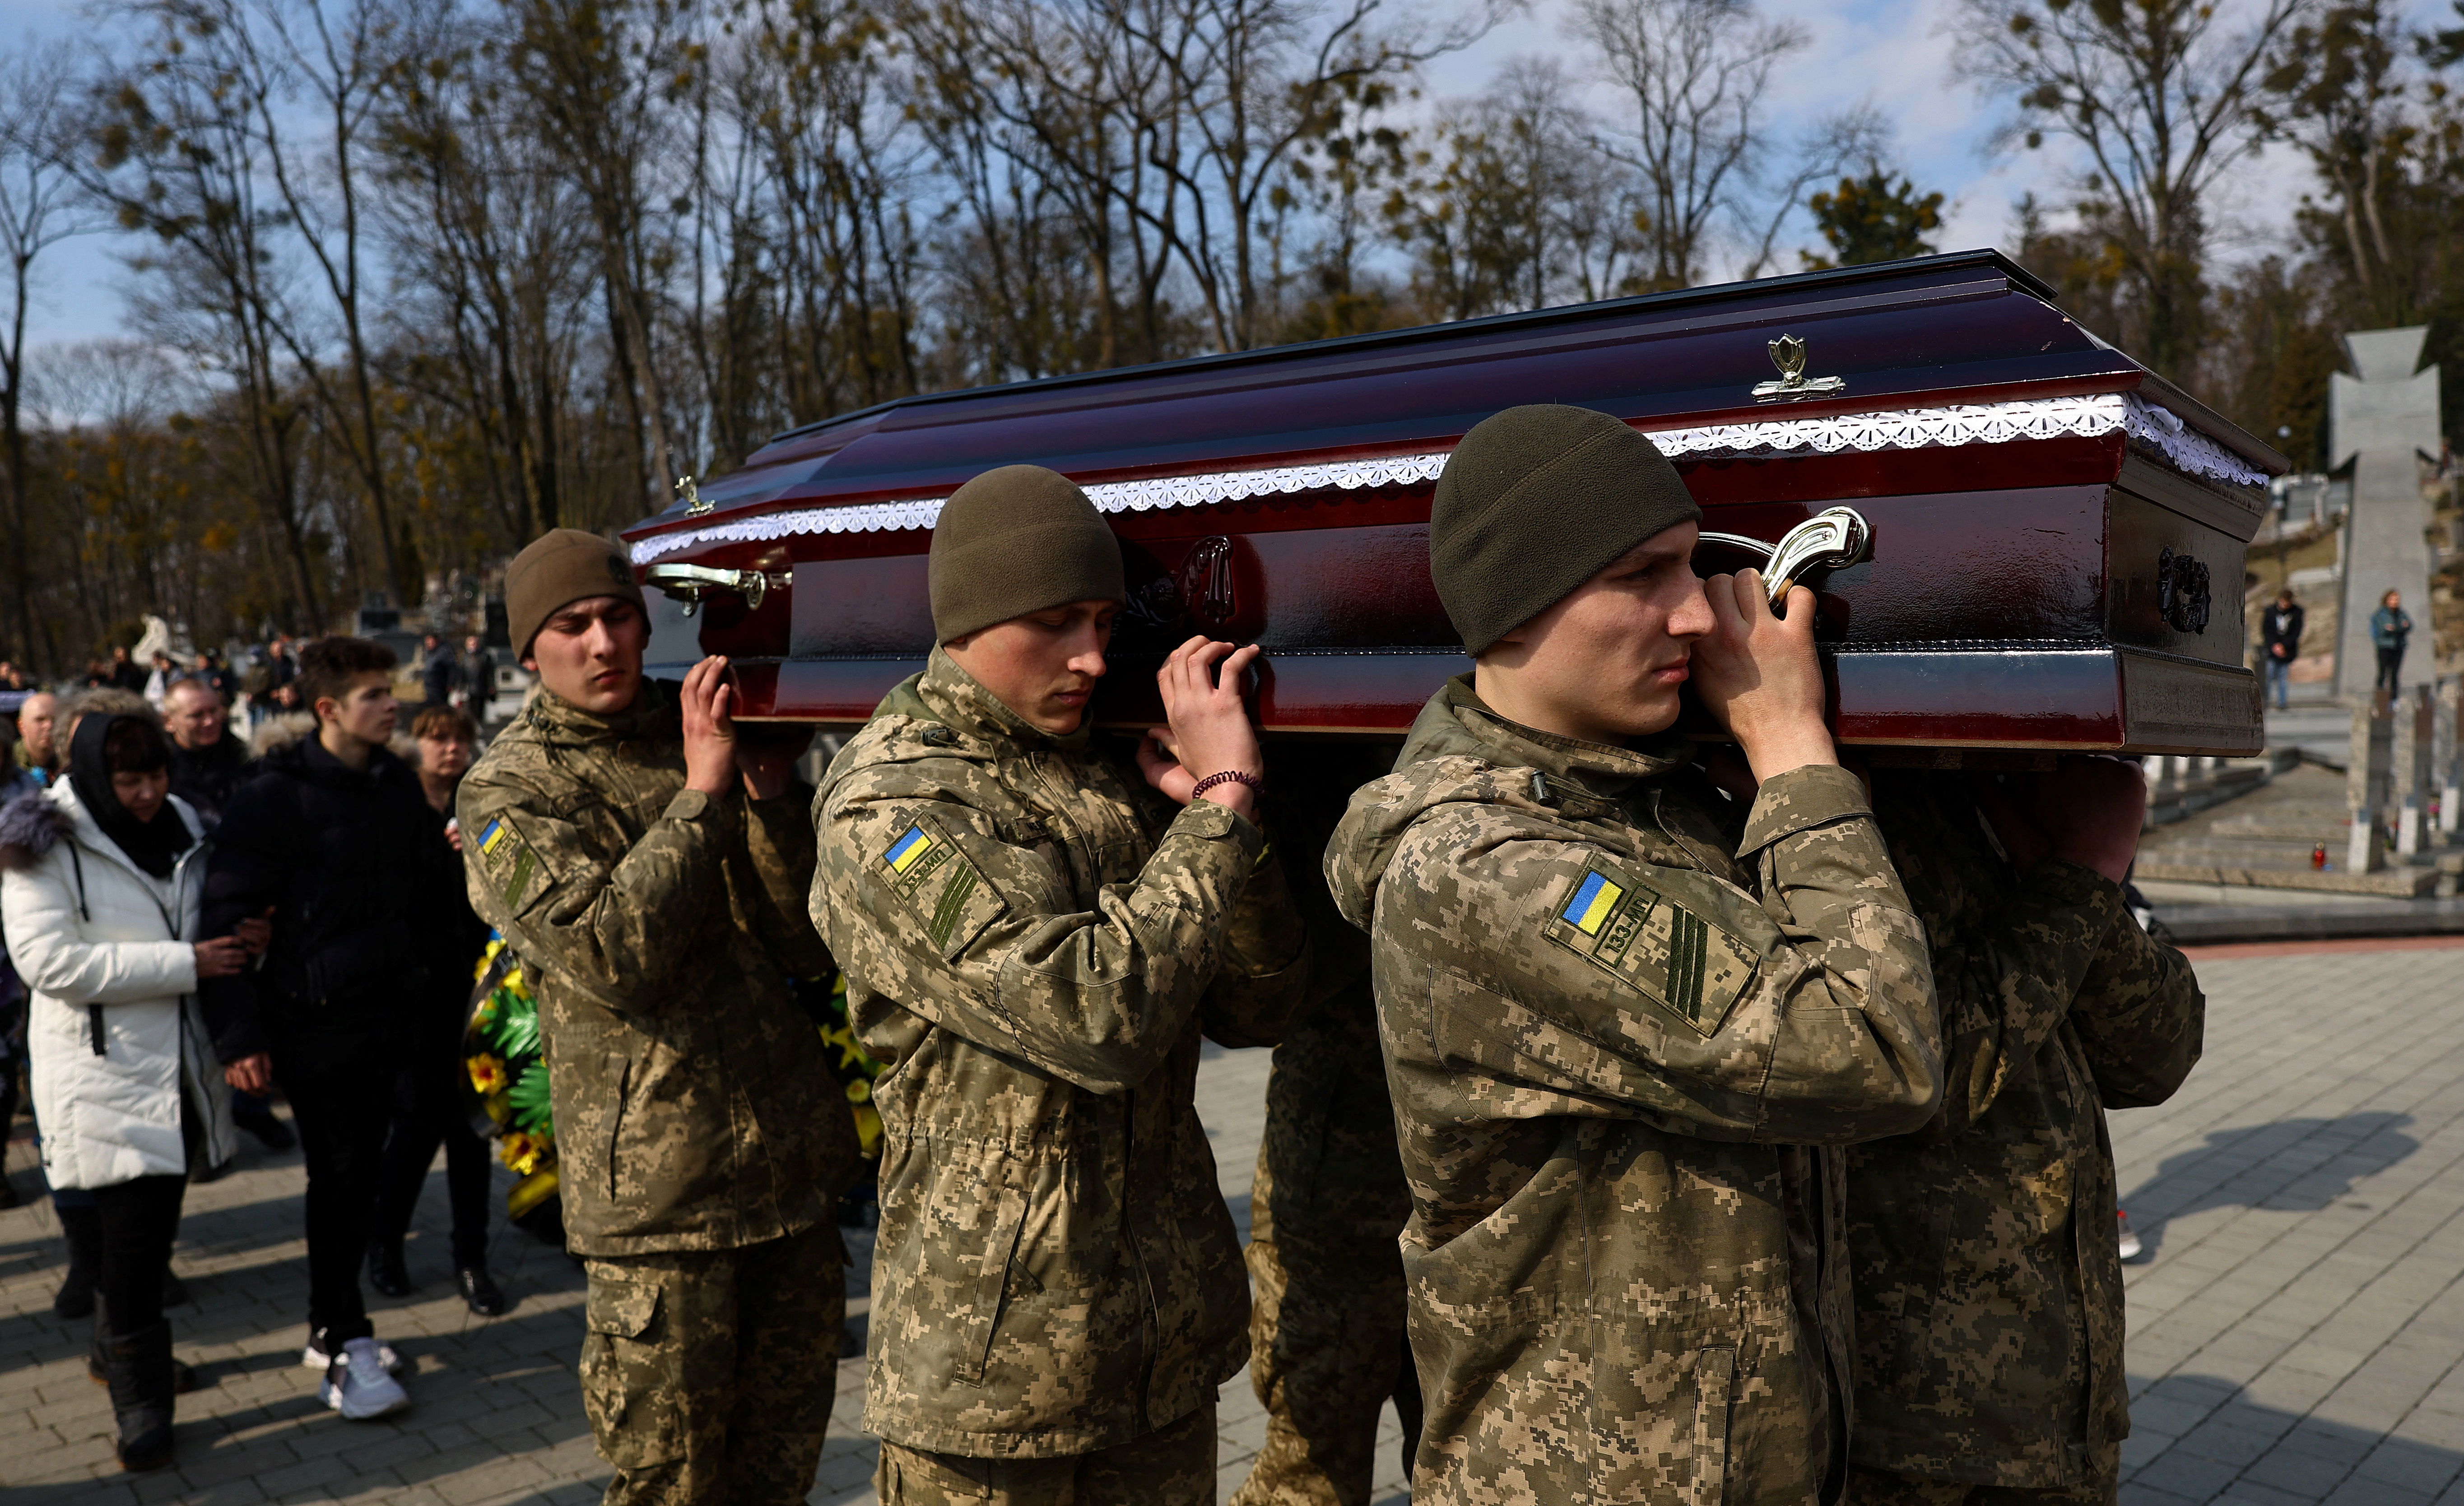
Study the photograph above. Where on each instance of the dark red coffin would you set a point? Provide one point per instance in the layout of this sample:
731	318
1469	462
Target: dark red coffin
2056	534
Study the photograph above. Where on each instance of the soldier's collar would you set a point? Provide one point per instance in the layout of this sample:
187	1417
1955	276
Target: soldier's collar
960	702
1603	768
655	712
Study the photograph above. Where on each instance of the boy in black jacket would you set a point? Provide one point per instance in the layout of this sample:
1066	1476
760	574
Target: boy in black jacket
331	842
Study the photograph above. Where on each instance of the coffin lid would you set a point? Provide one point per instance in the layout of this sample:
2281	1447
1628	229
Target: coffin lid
1965	348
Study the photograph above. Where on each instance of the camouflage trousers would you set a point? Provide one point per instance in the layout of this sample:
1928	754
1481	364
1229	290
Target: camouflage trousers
1171	1465
1871	1487
1326	1346
708	1374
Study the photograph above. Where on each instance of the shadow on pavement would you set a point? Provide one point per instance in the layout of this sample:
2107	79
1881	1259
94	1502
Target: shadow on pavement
228	1458
2201	1438
2298	1164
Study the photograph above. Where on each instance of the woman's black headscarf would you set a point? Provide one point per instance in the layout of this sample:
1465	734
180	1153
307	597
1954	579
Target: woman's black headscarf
154	845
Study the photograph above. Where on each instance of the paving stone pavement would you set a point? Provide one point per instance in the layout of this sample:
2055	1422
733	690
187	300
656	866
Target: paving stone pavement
2298	1335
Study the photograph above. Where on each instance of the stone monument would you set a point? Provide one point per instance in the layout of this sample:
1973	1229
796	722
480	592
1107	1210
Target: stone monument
2386	414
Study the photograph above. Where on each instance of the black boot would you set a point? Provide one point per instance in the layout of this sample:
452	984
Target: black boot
386	1269
81	1230
143	1382
479	1291
98	1368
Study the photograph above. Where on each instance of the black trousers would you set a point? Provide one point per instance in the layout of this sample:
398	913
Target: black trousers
339	1101
2391	668
139	1220
428	1111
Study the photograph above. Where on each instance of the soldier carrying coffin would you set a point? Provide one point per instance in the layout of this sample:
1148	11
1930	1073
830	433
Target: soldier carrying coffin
650	868
1035	935
1989	1283
1619	1029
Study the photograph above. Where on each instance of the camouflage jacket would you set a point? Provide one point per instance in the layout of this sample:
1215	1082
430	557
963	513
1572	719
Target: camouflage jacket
1034	942
1610	1059
694	1109
1989	1289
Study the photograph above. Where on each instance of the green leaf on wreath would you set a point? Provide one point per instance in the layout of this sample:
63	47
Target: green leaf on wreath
532	1112
515	1031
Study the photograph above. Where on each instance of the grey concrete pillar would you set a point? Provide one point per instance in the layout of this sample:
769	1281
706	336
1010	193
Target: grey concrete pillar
2408	783
2384	416
2447	753
2366	788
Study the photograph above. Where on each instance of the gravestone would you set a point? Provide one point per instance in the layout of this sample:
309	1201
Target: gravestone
2382	417
2369	774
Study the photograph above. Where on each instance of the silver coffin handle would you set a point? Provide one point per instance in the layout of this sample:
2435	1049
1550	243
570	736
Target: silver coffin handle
1833	537
690	584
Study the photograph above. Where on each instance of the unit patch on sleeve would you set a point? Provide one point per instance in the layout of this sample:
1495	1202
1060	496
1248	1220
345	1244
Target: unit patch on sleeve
944	889
1669	954
512	869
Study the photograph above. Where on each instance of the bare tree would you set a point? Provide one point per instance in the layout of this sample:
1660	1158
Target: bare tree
1695	74
2163	98
178	158
601	77
1828	147
37	210
2340	90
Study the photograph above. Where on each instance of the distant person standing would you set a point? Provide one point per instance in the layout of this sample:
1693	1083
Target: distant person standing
479	678
334	842
427	1098
208	764
2281	627
158	679
439	673
125	674
207	767
2389	631
37	719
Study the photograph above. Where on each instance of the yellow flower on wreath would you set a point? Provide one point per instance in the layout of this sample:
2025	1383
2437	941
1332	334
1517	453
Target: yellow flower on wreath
487	1073
523	1152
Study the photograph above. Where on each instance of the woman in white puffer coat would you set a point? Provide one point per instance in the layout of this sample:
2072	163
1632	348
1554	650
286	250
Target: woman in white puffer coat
104	872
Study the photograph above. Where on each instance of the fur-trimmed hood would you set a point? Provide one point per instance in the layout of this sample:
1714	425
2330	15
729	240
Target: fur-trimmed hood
29	826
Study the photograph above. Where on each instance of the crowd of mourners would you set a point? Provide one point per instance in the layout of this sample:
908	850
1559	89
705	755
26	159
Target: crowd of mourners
1646	1124
199	916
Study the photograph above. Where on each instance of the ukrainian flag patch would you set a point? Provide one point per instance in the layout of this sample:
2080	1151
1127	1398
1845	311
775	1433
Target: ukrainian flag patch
909	850
1595	900
1674	958
511	867
941	887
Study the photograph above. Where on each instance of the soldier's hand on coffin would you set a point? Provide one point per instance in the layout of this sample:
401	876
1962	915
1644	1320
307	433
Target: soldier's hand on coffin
2092	810
767	753
709	728
2086	811
1210	730
1757	673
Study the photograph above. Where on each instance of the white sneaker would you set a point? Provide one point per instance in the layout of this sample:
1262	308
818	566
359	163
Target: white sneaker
2130	1246
357	1385
317	1357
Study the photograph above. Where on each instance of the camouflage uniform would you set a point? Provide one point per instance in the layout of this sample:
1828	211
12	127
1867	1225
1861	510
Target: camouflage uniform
1327	1344
1988	1288
1609	1059
701	1137
1034	942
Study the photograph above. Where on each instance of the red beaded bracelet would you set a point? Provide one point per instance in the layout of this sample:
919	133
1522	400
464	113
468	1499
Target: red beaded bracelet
1256	785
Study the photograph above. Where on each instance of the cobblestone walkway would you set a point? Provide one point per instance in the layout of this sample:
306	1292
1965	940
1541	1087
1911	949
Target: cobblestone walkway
2297	1336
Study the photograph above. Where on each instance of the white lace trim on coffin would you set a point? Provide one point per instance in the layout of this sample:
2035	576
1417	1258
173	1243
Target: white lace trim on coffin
1906	428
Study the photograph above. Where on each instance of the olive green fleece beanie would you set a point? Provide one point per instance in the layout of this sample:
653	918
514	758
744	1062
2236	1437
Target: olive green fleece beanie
1535	501
557	569
1017	540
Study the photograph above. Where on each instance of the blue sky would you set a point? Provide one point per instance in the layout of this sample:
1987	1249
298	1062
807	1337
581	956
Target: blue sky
1893	53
